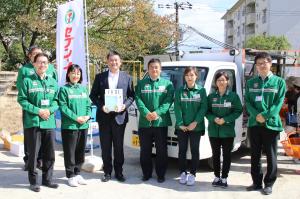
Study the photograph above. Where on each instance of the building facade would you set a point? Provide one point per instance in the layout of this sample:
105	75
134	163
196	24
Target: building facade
249	18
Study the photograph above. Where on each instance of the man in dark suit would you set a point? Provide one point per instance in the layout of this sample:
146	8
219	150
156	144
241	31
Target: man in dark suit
112	123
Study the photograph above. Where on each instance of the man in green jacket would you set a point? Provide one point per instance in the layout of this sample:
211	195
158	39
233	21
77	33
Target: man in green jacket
154	96
26	71
38	98
264	97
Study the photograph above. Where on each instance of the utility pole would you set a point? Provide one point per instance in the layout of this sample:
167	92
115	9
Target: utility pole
177	6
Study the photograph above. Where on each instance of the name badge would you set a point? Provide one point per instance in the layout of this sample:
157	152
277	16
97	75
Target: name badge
161	88
227	104
45	102
258	98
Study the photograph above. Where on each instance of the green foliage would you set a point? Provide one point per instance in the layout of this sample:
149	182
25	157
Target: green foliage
268	43
130	27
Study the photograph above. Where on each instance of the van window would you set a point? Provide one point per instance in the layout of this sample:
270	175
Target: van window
175	75
232	84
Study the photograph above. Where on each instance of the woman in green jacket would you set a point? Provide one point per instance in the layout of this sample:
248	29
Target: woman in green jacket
74	105
224	107
190	106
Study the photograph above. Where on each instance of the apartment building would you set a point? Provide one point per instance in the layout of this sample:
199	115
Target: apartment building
249	18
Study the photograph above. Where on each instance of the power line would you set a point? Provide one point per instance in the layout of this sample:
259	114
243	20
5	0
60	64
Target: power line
177	6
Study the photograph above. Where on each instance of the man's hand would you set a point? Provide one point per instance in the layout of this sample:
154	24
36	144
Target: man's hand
149	117
260	118
192	126
219	121
105	110
44	114
183	128
81	119
154	115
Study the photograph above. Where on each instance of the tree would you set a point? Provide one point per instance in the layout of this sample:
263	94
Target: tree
129	26
268	43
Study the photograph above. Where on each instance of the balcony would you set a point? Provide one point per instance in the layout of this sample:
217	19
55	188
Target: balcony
229	32
250	30
250	18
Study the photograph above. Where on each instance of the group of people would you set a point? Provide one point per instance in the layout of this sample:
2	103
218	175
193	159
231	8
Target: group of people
40	97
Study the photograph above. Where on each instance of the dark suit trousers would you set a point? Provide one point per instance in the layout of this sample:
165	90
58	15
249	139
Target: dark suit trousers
25	158
159	135
73	145
263	138
36	138
112	134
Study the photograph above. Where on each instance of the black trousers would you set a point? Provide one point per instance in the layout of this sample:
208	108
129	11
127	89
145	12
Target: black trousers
112	135
226	145
25	158
146	136
37	137
183	139
263	138
73	145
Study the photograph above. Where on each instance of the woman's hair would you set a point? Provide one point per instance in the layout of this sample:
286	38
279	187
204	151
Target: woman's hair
72	68
154	60
220	74
190	69
40	55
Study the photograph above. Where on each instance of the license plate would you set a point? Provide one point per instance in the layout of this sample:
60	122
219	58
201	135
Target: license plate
135	141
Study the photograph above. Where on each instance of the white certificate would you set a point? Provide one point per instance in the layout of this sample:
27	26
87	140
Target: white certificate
114	99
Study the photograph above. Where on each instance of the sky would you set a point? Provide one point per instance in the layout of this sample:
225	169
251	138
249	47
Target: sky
205	16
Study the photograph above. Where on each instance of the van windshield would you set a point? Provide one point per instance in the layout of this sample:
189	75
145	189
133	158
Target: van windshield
175	74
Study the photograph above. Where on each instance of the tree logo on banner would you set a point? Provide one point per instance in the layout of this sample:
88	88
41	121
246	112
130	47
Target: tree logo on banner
70	16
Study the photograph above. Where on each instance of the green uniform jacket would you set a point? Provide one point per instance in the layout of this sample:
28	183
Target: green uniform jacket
154	96
190	105
74	101
265	97
28	70
229	108
35	94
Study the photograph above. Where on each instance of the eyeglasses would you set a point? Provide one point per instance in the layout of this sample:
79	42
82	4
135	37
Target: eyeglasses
42	62
261	63
221	80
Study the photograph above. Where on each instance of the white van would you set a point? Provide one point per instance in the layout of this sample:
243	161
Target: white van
207	71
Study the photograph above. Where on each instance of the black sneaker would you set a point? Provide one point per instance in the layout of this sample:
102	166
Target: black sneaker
267	190
223	182
50	185
254	187
216	182
35	188
160	179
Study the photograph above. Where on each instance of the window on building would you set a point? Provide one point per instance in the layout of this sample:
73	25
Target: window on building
243	11
264	16
243	28
238	31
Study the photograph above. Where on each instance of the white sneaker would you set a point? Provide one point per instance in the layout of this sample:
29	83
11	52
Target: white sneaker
183	178
80	180
190	180
73	182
